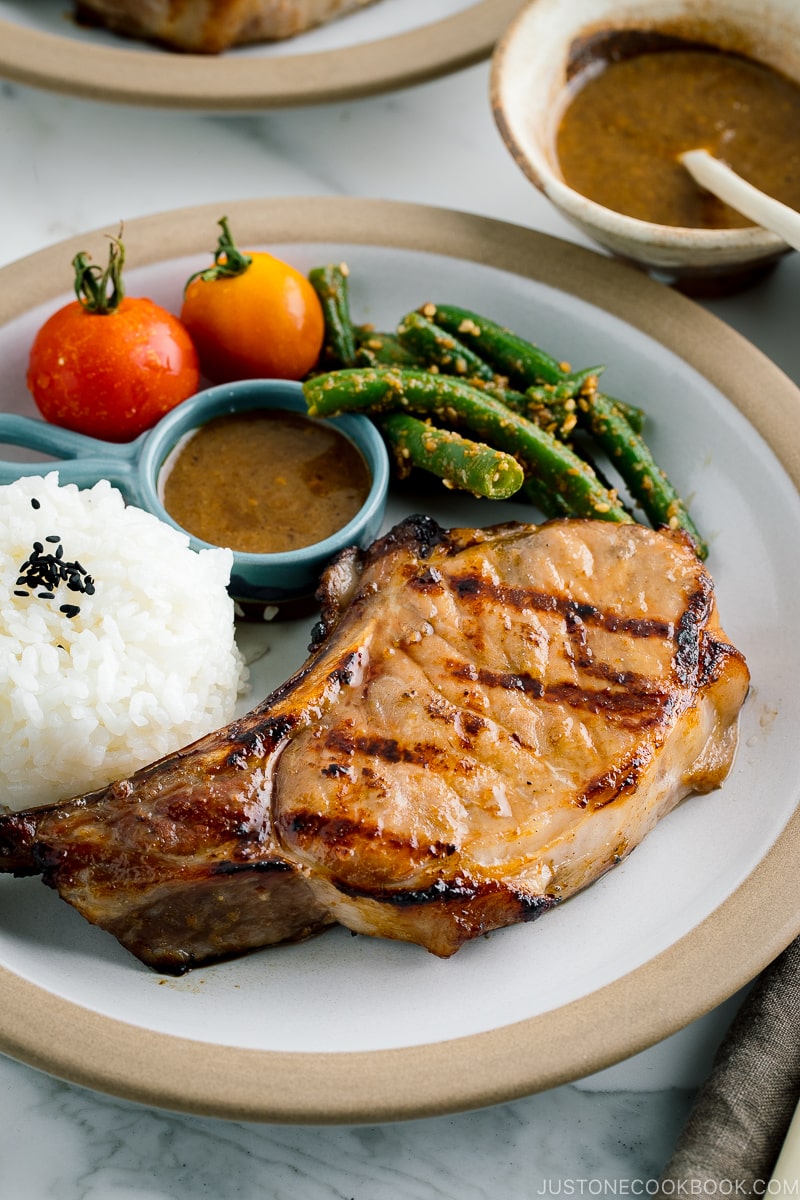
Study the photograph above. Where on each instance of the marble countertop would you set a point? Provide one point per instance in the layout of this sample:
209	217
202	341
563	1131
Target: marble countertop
72	165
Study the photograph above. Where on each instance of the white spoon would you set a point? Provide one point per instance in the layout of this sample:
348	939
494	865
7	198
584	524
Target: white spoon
716	177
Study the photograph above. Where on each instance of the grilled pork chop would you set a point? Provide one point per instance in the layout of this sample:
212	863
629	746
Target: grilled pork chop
211	26
488	721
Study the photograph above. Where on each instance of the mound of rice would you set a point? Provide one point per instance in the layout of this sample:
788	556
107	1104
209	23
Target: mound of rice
116	640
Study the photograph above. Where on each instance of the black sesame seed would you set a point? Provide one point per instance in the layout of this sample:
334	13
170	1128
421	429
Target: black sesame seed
21	593
35	503
49	571
69	610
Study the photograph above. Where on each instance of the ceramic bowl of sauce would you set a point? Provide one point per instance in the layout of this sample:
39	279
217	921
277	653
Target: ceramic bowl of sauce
239	465
597	98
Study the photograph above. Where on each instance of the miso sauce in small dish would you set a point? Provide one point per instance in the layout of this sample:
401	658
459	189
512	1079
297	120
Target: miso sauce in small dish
264	481
242	465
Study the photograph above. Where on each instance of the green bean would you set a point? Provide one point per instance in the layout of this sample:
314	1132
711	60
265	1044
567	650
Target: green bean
383	350
548	407
631	456
561	400
522	363
452	402
460	463
330	284
586	379
544	416
631	412
435	347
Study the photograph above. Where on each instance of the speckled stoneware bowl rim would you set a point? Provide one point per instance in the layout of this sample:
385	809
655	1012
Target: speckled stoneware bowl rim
127	74
748	243
676	986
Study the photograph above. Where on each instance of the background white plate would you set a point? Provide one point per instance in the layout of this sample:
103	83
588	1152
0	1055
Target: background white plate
388	44
685	890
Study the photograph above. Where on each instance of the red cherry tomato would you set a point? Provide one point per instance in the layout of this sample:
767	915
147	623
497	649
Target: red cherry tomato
252	316
113	372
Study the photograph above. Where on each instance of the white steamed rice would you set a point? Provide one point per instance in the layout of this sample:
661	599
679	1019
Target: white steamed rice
147	664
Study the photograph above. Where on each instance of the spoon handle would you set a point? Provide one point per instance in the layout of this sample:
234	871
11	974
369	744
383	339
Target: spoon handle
715	176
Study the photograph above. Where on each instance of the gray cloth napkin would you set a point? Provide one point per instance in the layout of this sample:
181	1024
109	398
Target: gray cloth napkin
742	1112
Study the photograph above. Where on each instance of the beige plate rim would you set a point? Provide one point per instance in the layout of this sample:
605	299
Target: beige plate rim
676	987
232	82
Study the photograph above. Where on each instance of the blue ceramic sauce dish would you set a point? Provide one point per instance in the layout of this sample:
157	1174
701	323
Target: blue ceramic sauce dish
135	469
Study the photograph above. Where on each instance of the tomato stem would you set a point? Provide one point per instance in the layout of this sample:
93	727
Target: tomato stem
100	290
229	261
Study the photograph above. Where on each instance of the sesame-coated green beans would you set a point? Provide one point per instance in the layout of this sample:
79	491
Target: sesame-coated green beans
631	456
461	396
471	466
456	404
574	400
560	400
437	348
522	363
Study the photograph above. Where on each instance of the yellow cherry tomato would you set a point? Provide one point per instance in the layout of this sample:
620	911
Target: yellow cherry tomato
252	316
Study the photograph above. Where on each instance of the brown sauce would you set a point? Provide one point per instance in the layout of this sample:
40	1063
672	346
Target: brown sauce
629	119
265	482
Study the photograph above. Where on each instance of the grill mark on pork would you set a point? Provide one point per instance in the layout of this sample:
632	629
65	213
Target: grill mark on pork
689	659
615	784
235	868
389	750
714	654
255	743
486	592
452	891
340	833
634	707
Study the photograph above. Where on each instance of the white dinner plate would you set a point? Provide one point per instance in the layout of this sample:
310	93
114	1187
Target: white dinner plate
389	44
345	1028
